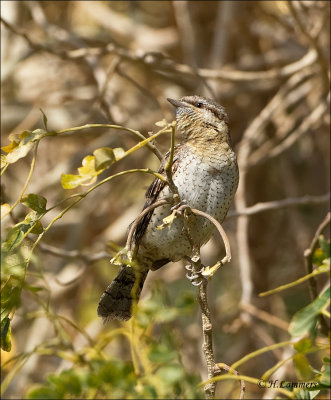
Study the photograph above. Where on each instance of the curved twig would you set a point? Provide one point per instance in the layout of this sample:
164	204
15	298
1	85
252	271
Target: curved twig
221	231
140	216
233	371
209	271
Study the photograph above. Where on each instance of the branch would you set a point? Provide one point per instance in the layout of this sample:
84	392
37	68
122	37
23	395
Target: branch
315	117
278	204
87	258
251	137
233	371
308	254
207	347
168	167
197	271
312	41
155	150
266	317
158	62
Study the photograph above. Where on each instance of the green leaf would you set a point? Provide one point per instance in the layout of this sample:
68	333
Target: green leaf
171	373
304	321
38	228
160	353
103	158
35	202
5	334
41	392
303	345
66	383
14	238
322	252
326	373
12	264
34	289
302	367
44	119
17	233
325	246
10	295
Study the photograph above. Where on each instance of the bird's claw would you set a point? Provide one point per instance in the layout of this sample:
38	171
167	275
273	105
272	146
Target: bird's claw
195	277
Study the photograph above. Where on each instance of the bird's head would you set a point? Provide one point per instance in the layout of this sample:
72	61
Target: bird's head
199	118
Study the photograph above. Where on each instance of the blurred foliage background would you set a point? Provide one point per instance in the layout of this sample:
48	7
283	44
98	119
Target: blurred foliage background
99	62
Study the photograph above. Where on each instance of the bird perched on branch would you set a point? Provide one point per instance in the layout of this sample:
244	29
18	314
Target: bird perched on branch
205	173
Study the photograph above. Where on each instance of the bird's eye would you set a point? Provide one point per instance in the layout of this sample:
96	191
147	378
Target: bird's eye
199	105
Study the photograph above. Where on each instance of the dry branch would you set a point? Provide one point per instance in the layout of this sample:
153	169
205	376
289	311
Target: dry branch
279	204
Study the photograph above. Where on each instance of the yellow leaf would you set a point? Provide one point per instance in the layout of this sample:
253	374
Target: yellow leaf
88	167
10	147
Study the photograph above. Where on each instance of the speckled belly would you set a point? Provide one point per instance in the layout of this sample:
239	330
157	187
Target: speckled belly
204	187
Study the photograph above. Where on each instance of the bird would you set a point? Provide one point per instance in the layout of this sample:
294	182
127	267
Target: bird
205	172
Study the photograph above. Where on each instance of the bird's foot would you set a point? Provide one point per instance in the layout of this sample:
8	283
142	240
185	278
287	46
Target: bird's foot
208	272
194	276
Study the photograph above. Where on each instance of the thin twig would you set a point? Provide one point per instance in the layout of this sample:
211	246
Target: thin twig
251	136
221	231
314	118
168	168
138	219
156	61
279	204
233	371
155	150
266	317
87	258
207	330
308	254
312	41
318	271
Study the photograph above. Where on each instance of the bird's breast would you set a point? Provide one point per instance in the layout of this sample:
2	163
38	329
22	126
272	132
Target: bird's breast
206	186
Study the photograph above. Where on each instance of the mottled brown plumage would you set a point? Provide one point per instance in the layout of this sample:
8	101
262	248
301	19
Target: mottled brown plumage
206	175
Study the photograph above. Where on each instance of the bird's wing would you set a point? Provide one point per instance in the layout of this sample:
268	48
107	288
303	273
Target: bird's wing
152	194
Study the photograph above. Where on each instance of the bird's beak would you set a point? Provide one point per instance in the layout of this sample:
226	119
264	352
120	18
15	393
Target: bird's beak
176	103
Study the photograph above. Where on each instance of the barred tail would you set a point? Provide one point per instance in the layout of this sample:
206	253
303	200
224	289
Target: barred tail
117	300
